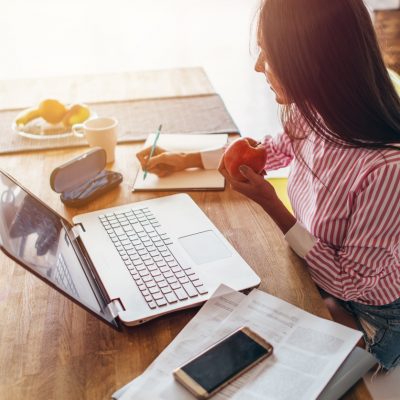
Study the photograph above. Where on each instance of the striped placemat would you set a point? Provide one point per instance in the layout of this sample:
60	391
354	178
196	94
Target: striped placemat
137	118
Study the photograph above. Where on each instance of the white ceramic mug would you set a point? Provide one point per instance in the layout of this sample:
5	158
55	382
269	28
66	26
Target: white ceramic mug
102	132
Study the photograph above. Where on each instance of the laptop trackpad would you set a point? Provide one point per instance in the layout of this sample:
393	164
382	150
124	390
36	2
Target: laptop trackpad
204	247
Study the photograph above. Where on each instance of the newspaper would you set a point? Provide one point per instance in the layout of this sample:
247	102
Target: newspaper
307	350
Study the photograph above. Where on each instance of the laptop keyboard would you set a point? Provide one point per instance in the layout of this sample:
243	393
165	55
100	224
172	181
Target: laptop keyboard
143	246
63	277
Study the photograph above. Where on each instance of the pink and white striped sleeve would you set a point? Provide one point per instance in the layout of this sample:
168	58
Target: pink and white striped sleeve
367	262
279	151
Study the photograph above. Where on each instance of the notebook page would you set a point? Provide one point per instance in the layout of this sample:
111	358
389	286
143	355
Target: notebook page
190	179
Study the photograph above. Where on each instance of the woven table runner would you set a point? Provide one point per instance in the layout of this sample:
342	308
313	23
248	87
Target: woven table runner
137	119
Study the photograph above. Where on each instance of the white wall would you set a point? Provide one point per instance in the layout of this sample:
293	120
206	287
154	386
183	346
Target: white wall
58	37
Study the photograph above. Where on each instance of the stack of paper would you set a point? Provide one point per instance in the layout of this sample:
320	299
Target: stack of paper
307	351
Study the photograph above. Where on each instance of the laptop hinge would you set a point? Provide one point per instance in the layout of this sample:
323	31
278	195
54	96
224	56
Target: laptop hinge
76	231
115	307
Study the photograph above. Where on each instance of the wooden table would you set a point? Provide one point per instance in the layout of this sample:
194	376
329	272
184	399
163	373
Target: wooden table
51	348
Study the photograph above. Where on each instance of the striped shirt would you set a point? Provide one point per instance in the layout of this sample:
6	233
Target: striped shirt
347	204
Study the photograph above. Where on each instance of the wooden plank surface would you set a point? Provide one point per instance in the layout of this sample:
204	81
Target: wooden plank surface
50	348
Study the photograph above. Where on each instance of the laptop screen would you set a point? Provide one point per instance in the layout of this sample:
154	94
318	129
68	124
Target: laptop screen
37	238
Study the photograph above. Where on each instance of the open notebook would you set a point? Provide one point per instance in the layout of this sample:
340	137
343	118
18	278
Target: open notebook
190	179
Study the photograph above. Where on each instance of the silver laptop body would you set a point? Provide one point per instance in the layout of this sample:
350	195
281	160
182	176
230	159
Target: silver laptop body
193	244
125	264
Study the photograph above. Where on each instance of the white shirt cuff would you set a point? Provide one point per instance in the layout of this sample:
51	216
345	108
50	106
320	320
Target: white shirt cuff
300	239
210	158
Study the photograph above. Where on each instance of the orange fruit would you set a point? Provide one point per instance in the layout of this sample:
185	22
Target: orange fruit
52	111
76	114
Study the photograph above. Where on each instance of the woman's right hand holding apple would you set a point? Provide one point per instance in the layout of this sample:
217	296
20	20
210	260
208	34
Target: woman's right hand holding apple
252	185
244	151
243	170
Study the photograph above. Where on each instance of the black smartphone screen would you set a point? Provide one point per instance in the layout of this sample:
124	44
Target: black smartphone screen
223	361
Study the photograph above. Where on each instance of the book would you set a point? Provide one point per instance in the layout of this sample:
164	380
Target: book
280	186
356	365
189	179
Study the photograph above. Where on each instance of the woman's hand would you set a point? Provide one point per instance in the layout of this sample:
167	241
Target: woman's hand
256	187
262	192
164	163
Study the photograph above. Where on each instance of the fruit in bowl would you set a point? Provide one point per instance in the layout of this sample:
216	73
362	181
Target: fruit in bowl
244	151
51	117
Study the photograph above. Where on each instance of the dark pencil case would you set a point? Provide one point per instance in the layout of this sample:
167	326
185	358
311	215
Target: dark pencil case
83	179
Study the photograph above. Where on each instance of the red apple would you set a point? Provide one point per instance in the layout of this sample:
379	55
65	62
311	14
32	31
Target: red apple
244	151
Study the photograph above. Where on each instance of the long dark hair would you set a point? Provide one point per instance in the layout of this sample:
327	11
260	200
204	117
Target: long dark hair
326	56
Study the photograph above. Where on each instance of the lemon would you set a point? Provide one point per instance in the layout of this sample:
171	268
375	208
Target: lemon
52	111
76	114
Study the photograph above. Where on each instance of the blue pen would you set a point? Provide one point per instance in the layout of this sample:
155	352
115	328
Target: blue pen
152	150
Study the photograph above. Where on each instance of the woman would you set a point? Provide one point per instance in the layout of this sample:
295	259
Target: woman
341	118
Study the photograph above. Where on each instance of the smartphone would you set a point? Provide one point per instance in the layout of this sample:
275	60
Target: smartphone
221	363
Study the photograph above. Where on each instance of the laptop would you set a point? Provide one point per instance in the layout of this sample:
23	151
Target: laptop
126	264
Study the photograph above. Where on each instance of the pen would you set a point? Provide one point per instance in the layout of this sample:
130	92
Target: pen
153	147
